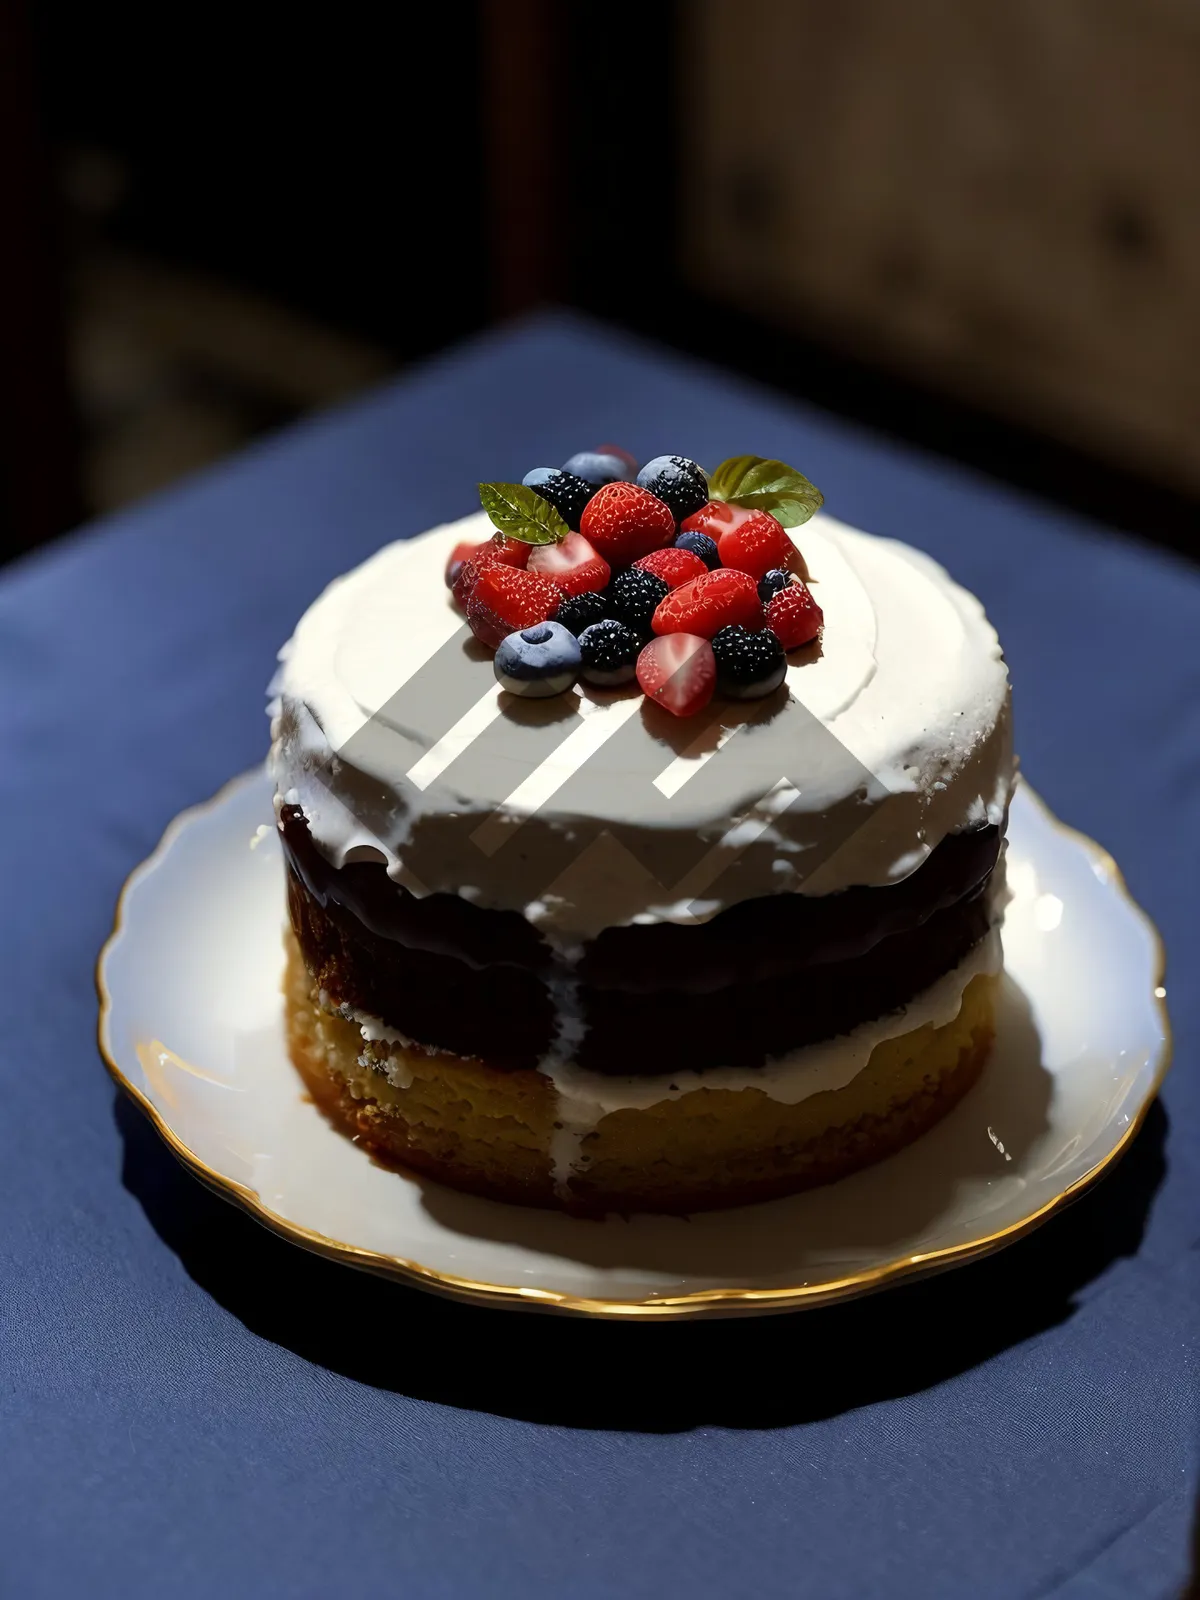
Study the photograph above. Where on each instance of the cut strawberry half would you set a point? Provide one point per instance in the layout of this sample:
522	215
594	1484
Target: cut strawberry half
505	600
793	616
496	551
672	566
678	672
709	603
573	565
623	522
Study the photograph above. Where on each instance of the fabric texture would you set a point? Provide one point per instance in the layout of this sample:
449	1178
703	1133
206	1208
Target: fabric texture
190	1406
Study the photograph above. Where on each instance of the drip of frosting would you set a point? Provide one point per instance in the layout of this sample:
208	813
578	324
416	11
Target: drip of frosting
594	810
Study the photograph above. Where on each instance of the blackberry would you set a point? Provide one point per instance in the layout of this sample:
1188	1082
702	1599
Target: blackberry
632	597
565	492
749	665
677	481
700	545
772	583
609	652
579	611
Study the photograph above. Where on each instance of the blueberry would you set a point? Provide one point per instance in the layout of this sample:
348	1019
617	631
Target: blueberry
598	468
773	583
633	596
565	492
538	661
749	665
609	650
678	481
579	611
700	545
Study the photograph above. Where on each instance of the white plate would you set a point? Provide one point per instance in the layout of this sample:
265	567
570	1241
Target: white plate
191	1026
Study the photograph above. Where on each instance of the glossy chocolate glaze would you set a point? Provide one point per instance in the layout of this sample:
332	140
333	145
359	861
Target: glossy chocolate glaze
757	980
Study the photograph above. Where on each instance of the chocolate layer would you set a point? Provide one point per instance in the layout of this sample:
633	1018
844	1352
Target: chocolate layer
757	980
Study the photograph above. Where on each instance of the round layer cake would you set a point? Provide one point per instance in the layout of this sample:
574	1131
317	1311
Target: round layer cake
579	952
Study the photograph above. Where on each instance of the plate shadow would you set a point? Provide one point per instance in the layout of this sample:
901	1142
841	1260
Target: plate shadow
665	1377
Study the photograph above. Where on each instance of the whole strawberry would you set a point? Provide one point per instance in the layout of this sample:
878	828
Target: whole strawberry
707	604
496	551
793	616
751	541
672	566
622	522
505	600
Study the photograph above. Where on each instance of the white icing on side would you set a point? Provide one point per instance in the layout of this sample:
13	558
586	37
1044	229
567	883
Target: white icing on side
909	680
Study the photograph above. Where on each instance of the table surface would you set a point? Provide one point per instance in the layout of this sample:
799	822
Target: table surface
190	1406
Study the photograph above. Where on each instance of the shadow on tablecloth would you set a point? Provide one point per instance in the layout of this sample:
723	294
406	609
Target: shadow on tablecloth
747	1373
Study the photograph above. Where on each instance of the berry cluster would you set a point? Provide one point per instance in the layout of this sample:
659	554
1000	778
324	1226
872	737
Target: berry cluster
601	572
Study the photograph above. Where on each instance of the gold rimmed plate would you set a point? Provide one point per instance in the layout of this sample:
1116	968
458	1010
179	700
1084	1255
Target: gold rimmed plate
191	1027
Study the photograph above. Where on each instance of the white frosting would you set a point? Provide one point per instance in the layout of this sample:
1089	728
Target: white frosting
592	809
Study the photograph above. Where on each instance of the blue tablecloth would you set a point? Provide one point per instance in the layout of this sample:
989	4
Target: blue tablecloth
189	1406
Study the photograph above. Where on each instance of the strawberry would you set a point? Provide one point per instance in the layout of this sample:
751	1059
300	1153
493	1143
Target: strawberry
678	672
709	603
459	556
624	522
749	541
505	600
793	616
756	546
573	565
716	518
672	566
497	550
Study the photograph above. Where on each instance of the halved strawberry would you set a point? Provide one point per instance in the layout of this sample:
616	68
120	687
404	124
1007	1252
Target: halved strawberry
624	522
678	672
793	616
496	551
573	565
709	603
672	566
505	600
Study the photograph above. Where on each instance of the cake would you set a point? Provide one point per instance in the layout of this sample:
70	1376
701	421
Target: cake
642	857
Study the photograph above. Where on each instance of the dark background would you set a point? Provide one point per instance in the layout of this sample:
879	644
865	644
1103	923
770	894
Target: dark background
219	219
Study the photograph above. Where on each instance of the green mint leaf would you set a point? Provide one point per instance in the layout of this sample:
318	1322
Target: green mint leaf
761	485
518	513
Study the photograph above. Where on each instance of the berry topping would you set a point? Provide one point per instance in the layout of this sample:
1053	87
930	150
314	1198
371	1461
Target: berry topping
632	597
505	600
672	566
610	651
573	565
624	522
700	545
579	611
496	551
678	482
706	605
678	672
773	582
756	545
599	467
538	661
459	556
714	518
565	492
749	665
794	617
